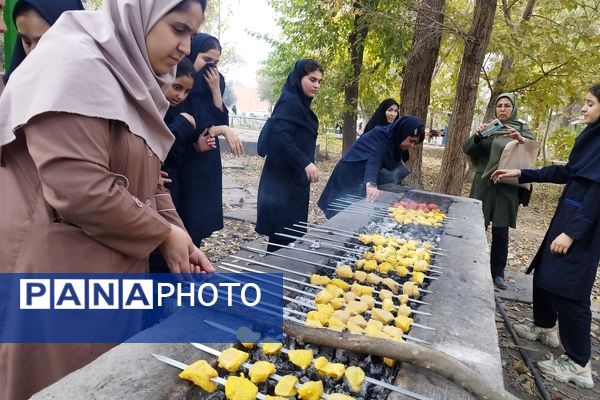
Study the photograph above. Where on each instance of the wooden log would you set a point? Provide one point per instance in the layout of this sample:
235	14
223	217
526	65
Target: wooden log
420	356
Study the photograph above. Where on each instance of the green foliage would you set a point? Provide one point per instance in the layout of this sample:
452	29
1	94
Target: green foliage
320	30
554	53
561	142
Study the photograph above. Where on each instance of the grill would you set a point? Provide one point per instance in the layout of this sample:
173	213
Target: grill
453	314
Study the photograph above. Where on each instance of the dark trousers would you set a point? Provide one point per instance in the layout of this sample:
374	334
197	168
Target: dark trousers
574	322
499	251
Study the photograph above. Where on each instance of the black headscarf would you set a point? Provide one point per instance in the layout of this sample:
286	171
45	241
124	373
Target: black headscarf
199	101
49	10
584	160
293	105
378	118
383	141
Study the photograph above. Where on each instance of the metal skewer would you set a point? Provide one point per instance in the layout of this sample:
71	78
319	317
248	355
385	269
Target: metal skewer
329	238
304	293
358	198
367	378
364	210
432	269
360	253
326	245
350	234
284	246
308	276
327	255
246	365
182	366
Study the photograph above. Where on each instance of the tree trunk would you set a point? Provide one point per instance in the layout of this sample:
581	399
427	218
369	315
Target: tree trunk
424	357
416	82
356	40
453	162
545	138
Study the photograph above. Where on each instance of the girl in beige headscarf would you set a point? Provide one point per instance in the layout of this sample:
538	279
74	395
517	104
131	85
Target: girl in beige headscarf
82	139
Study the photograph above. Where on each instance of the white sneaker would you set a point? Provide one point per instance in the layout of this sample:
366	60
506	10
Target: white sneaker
565	370
529	331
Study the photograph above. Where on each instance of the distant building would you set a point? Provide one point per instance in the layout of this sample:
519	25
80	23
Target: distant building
248	101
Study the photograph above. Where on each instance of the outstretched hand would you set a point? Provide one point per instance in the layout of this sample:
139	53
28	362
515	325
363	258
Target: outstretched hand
500	174
372	193
235	144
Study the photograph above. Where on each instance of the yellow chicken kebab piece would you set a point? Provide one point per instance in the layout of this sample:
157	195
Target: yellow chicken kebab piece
260	371
271	348
311	390
301	358
354	377
286	387
231	359
339	396
327	368
240	388
200	373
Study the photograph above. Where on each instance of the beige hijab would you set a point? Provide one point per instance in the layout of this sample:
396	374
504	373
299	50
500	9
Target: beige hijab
94	63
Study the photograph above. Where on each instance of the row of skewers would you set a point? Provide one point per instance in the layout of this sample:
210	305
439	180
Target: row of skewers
379	278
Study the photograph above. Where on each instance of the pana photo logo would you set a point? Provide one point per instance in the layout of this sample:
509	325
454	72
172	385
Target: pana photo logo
129	294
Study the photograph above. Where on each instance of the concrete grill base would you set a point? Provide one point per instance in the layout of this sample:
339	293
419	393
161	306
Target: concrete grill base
462	305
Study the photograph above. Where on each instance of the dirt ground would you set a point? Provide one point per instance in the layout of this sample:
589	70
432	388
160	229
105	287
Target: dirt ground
531	226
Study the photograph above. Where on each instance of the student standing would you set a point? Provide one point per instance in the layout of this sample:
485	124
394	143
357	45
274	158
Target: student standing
565	265
288	140
200	201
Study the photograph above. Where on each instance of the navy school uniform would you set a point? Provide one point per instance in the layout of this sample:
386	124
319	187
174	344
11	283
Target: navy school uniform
562	284
200	205
288	140
379	148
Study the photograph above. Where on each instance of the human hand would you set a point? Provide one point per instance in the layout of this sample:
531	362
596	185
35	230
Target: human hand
372	193
561	245
312	173
481	128
176	249
235	144
190	119
205	142
515	135
212	78
200	263
500	174
164	178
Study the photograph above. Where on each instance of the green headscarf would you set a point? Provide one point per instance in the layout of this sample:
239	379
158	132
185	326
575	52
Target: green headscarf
500	141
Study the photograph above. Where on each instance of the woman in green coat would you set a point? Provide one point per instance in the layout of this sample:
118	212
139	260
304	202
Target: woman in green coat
500	202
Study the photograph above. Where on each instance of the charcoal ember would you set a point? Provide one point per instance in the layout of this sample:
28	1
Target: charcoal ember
377	393
354	358
376	369
284	367
341	356
312	374
217	395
